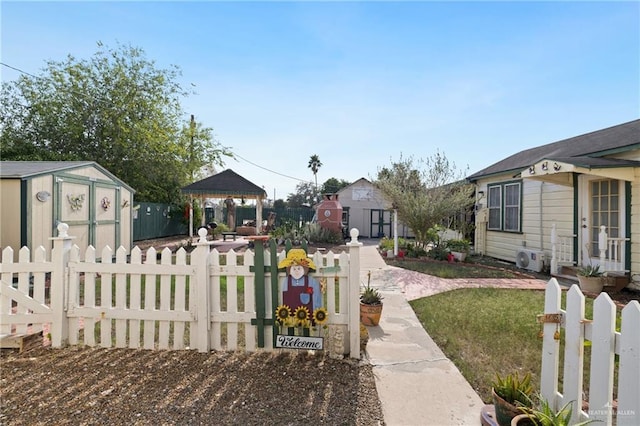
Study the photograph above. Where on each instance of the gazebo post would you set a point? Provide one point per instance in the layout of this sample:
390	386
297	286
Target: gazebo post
190	217
203	219
258	215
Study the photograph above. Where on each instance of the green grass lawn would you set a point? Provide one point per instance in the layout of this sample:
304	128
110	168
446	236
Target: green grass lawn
488	331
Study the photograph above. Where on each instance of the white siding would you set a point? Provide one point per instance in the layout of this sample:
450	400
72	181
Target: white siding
542	205
635	232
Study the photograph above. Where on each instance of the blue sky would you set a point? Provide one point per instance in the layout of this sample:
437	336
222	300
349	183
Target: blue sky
362	83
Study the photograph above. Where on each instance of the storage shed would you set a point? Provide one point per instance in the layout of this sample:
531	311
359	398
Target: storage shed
37	195
367	209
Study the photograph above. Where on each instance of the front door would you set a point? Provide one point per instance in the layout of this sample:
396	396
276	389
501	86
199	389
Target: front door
602	203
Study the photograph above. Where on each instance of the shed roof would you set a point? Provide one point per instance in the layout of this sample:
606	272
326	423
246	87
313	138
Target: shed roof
620	138
223	184
27	169
32	169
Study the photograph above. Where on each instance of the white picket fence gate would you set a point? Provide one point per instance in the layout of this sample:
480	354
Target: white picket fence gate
177	303
611	350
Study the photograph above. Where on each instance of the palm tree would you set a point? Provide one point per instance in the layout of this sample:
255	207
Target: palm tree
314	165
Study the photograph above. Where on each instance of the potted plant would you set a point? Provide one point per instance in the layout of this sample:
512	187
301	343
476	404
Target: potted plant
370	304
544	415
510	395
459	248
591	279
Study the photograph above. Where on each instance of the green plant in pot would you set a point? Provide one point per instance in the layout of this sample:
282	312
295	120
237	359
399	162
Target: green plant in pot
543	414
459	248
510	395
370	304
591	278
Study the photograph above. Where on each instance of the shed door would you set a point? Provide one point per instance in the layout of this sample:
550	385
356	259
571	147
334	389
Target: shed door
91	209
380	223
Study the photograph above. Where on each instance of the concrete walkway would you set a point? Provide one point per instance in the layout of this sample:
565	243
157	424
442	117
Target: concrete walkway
417	384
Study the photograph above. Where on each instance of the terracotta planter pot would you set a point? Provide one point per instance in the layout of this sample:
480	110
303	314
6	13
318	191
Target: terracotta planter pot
370	314
591	284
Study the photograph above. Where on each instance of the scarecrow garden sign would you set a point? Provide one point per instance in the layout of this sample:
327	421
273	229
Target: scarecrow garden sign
302	304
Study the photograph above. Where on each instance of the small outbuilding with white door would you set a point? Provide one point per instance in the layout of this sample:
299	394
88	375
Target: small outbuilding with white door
366	208
37	195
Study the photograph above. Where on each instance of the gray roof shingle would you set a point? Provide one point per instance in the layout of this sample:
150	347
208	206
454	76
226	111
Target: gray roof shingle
620	138
227	182
26	169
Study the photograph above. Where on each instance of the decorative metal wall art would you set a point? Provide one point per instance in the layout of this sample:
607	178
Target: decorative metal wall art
75	201
105	203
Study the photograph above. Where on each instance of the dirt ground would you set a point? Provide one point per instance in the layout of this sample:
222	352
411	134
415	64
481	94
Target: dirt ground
91	386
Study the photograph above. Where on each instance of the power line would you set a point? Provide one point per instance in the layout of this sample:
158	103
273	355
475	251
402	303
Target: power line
269	170
235	155
18	69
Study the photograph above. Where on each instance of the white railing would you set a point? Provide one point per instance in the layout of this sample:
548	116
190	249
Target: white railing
176	303
606	342
610	251
561	250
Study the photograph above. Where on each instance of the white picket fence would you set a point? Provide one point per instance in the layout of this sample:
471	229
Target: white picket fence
176	303
611	350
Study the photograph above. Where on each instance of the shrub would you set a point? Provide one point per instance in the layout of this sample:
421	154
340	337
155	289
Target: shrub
461	246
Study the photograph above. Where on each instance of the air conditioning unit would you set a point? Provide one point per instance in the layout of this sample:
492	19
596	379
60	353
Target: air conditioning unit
533	260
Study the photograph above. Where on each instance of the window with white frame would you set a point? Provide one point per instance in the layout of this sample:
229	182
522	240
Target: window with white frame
504	202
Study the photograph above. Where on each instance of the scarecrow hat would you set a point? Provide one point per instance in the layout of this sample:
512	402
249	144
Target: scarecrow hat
297	257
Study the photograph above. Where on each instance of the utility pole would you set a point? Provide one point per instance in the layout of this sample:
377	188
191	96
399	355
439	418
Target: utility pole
192	126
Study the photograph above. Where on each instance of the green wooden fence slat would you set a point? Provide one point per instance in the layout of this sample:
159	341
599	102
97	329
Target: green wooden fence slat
275	290
260	321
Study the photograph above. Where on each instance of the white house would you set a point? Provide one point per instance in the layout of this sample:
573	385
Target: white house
571	202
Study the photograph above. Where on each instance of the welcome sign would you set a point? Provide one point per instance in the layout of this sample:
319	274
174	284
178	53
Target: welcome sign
299	342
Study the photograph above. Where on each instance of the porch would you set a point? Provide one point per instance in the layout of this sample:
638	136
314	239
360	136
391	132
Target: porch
567	257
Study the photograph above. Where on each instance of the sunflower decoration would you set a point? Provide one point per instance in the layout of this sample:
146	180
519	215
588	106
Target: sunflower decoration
320	316
305	323
301	315
283	313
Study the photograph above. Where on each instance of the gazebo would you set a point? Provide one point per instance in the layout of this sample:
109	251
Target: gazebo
226	184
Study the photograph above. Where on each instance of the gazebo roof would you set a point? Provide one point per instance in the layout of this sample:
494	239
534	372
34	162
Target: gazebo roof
224	184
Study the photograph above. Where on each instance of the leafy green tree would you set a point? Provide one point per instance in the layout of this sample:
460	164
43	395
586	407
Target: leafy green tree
305	194
202	149
333	185
426	193
279	204
116	108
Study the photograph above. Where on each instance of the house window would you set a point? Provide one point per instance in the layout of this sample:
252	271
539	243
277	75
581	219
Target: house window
495	207
505	206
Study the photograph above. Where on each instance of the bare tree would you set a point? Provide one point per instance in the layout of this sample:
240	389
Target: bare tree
425	193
